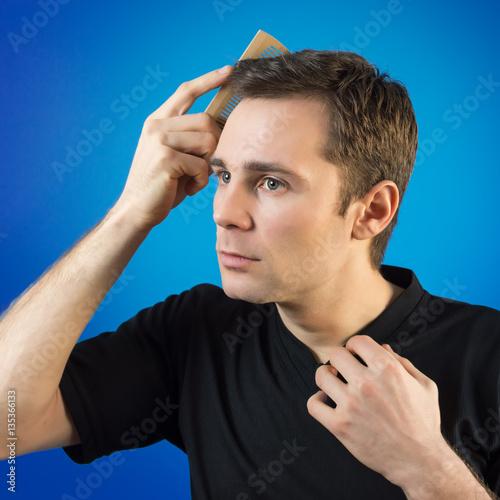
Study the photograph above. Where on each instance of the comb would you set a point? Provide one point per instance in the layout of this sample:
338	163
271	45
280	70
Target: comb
262	45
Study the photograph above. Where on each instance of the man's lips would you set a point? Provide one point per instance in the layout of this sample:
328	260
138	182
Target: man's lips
232	259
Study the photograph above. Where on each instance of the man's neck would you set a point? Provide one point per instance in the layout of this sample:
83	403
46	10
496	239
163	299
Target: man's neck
327	317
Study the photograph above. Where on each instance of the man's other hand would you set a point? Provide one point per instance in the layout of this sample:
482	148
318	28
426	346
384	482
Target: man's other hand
387	414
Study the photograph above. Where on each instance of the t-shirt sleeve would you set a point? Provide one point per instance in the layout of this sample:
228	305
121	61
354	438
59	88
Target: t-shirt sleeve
123	388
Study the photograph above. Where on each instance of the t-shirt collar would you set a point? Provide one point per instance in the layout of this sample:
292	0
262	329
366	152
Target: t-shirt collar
379	329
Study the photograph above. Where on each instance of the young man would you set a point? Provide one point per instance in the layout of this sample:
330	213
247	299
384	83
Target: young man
283	384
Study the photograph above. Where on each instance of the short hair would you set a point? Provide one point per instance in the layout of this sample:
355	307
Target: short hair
372	131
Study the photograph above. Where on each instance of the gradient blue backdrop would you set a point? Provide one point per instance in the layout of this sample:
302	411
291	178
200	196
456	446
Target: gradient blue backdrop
65	79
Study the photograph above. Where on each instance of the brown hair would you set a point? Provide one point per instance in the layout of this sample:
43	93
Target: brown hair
372	131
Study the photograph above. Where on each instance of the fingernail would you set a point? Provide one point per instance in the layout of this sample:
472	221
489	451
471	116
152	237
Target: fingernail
224	70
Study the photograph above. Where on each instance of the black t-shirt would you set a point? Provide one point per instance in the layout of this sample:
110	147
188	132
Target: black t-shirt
227	382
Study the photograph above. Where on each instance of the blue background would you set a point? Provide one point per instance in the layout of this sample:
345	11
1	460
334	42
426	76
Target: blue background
65	78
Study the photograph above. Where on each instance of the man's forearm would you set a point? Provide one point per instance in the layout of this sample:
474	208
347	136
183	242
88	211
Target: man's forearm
446	477
41	327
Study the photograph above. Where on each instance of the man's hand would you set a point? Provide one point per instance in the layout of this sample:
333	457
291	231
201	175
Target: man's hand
387	415
171	158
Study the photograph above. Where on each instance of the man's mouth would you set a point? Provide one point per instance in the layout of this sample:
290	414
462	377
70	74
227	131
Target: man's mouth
235	260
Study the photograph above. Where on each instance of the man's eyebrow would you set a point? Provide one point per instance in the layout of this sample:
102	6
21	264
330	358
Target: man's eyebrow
259	166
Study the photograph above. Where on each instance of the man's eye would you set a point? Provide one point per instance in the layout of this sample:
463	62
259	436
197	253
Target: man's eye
224	176
273	184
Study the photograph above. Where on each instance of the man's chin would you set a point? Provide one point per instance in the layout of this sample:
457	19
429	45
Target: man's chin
235	289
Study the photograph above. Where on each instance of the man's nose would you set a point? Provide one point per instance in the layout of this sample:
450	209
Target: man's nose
232	207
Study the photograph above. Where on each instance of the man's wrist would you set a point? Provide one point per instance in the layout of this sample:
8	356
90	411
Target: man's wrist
442	475
428	477
125	214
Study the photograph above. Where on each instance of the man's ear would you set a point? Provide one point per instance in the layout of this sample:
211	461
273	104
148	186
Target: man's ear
375	210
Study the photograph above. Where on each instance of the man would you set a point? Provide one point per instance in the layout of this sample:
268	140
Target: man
283	384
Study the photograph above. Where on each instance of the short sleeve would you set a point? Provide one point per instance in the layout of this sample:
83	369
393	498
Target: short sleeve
123	388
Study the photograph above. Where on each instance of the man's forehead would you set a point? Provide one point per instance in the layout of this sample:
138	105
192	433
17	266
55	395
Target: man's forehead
273	131
282	111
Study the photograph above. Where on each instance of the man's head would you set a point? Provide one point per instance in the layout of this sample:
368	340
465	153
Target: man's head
333	118
372	132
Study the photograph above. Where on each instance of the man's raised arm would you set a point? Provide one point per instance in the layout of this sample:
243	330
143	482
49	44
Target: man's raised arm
40	328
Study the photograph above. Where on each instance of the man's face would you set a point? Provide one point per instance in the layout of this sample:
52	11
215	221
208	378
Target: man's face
285	222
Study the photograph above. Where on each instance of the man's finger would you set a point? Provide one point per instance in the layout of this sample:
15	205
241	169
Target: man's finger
317	408
330	384
369	351
186	94
196	122
344	362
200	144
407	364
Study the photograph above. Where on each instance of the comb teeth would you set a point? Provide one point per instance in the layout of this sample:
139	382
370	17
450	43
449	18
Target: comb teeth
232	103
228	108
224	102
271	52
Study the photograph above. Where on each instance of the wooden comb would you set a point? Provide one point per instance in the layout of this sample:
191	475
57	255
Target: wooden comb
262	45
